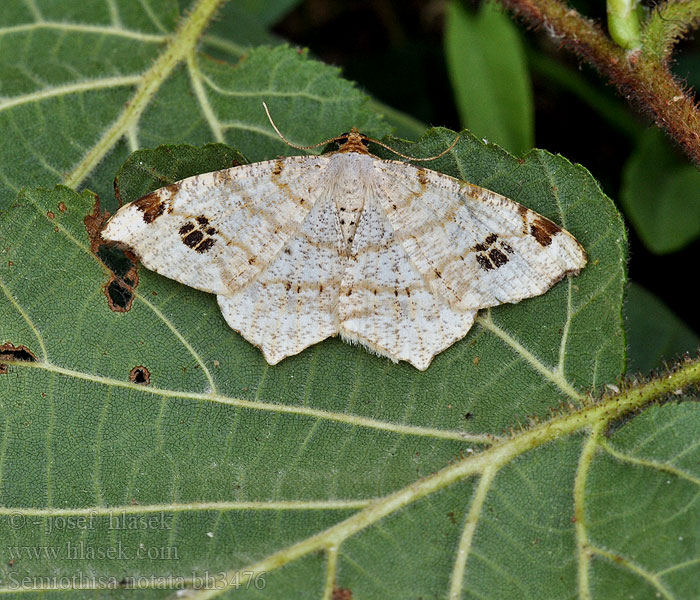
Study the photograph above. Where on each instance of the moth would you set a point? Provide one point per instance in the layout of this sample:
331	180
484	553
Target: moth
384	253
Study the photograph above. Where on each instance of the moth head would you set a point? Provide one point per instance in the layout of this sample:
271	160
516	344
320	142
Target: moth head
352	141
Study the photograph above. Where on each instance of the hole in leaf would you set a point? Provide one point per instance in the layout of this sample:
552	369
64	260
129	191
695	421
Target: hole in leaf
140	375
122	263
342	593
10	352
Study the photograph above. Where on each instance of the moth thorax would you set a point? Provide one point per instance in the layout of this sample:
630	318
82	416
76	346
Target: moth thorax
350	206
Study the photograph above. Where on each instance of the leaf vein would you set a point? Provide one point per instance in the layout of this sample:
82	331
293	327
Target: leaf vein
82	28
27	320
650	464
588	451
153	16
65	90
179	45
470	524
34	9
201	95
240	505
551	374
114	13
331	570
352	420
650	578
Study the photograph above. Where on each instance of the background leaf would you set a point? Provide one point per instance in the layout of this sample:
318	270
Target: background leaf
654	333
660	194
148	170
489	75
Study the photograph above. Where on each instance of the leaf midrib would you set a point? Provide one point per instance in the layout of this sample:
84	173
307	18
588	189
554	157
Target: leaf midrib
179	45
483	463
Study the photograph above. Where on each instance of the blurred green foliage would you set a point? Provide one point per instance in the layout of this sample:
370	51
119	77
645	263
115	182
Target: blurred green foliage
492	90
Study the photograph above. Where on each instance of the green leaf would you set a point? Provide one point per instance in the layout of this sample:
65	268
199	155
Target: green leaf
247	460
148	170
153	448
660	194
654	333
642	486
487	67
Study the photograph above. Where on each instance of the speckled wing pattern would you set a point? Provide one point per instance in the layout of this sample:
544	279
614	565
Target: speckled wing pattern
386	254
292	304
385	302
475	247
217	231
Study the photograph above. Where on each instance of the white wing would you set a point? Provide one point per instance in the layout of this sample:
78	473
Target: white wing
475	247
217	231
292	304
386	304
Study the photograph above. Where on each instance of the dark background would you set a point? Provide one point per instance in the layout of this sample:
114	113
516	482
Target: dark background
394	51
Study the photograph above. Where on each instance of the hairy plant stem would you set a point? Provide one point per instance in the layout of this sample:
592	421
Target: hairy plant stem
642	76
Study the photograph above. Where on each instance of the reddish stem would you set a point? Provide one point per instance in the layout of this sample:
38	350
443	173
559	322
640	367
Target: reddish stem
640	77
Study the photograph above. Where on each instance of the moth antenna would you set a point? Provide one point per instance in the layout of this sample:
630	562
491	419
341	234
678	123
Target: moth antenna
286	141
411	158
333	139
